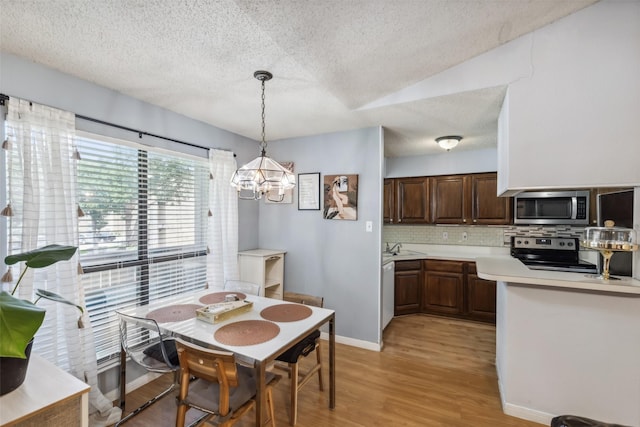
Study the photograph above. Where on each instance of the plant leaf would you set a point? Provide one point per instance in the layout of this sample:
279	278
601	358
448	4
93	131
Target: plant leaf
43	257
57	298
19	322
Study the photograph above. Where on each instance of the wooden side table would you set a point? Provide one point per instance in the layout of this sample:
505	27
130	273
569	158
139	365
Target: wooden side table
49	396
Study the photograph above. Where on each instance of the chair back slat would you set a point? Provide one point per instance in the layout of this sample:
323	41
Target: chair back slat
211	365
242	286
304	299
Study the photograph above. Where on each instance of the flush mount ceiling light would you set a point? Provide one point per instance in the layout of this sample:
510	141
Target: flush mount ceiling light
448	142
263	175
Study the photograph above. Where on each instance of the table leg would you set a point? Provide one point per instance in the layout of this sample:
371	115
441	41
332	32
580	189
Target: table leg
260	393
123	376
332	362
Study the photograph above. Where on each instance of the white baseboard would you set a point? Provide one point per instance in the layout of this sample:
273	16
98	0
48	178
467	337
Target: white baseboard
527	413
367	345
521	411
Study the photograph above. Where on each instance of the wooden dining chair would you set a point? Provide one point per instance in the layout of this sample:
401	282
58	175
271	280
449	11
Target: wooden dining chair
301	349
142	341
221	388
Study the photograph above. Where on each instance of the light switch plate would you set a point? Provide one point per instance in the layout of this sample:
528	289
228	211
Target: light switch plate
369	226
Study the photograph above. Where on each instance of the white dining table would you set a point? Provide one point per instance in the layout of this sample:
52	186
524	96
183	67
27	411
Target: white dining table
258	355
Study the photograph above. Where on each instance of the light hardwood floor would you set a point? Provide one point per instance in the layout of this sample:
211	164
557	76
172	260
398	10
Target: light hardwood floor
432	372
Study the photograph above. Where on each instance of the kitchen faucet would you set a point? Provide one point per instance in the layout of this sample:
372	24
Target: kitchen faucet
390	250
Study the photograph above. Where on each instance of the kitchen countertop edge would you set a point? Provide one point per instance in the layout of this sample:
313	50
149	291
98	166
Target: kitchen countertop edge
508	269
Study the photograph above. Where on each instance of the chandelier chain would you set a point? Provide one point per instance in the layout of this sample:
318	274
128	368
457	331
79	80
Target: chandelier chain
264	143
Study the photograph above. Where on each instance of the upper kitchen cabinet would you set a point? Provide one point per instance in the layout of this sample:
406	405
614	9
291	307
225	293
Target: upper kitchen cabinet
450	197
389	215
573	122
412	200
486	207
469	199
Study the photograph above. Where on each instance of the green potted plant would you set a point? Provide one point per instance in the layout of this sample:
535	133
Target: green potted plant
20	319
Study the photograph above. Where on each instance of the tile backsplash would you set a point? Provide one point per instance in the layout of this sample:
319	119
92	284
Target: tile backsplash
476	235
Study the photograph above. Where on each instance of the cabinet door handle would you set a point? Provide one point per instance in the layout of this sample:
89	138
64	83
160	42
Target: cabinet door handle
273	258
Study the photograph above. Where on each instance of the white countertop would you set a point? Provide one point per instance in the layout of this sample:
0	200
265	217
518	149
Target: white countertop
508	269
411	251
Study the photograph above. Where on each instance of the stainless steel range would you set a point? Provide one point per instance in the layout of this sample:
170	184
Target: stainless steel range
550	253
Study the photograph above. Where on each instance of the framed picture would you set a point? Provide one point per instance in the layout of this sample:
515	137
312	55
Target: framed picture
288	194
309	191
341	197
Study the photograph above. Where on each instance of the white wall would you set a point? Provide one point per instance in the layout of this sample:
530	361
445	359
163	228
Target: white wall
336	259
574	122
27	80
568	352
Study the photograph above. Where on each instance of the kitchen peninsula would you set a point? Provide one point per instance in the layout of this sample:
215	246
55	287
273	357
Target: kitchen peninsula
566	343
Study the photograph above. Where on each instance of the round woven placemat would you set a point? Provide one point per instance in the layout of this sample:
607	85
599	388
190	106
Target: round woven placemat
247	332
219	297
286	312
174	313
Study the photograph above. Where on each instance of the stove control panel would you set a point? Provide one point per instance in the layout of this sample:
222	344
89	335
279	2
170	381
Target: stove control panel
554	243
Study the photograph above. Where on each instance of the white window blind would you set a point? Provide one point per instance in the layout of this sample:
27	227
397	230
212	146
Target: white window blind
143	233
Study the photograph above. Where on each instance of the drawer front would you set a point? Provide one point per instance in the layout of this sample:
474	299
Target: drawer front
449	266
408	265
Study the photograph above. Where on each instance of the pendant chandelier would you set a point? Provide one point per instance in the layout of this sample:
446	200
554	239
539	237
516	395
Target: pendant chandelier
263	175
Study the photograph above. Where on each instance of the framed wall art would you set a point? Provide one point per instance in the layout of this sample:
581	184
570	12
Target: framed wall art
341	197
309	191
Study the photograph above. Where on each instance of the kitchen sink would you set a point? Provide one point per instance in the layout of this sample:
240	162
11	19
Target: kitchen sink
402	253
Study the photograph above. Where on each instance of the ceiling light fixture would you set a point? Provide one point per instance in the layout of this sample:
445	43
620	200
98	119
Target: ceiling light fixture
448	142
263	175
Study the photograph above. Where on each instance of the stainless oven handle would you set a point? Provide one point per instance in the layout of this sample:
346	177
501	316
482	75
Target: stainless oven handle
574	207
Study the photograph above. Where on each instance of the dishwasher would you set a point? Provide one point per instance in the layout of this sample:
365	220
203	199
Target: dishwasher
388	279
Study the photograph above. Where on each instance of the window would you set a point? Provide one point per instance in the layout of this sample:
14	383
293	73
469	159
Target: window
143	233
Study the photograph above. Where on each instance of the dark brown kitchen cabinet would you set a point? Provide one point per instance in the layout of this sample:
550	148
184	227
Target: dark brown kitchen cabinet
593	202
450	199
443	289
486	207
389	201
469	199
481	296
412	200
408	283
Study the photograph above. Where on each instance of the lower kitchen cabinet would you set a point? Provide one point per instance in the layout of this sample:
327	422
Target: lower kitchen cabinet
443	291
445	288
481	297
408	283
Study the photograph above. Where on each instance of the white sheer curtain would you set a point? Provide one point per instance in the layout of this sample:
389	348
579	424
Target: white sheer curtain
222	261
42	192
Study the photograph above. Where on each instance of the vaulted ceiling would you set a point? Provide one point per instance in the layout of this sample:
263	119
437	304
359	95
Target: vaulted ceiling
330	58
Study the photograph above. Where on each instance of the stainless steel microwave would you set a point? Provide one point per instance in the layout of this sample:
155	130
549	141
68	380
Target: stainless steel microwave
552	208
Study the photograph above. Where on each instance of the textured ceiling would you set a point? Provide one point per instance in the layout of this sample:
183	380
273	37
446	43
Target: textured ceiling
329	58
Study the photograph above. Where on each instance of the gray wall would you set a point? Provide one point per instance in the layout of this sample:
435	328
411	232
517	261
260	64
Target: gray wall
444	163
336	259
27	80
